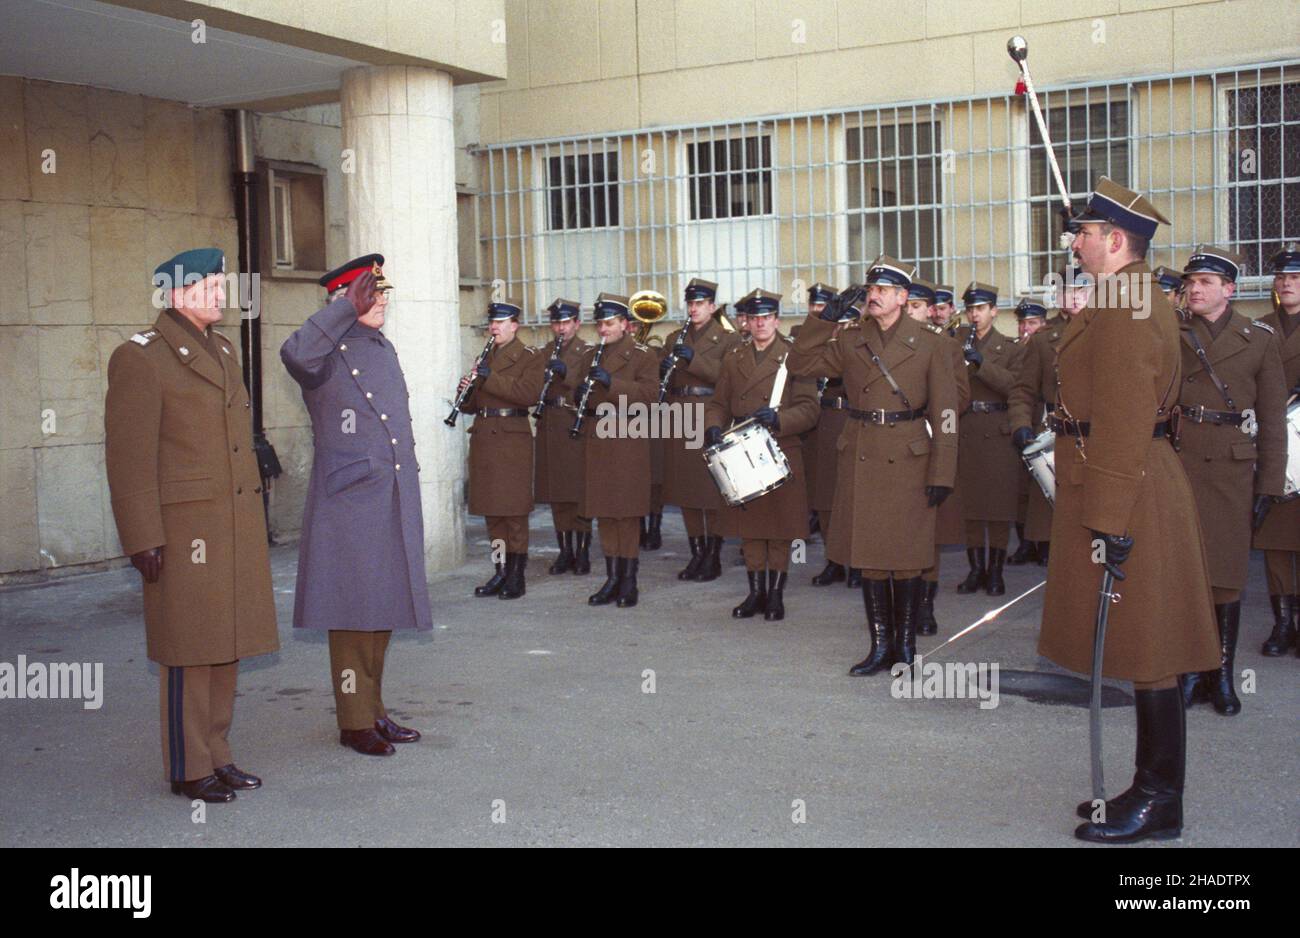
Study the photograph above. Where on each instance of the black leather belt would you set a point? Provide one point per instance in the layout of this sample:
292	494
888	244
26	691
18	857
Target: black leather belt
835	403
692	391
560	402
1081	427
886	416
1201	414
988	407
834	382
502	412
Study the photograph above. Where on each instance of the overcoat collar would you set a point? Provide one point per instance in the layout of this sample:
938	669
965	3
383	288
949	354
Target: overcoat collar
753	374
1235	337
188	351
907	335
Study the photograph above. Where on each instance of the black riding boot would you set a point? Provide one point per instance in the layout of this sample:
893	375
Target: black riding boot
697	552
775	611
1153	806
925	622
494	583
513	587
1193	689
641	533
582	554
907	597
996	585
564	562
978	576
711	562
1280	639
605	595
834	573
854	579
1223	694
875	597
1025	552
654	538
627	591
1044	548
756	601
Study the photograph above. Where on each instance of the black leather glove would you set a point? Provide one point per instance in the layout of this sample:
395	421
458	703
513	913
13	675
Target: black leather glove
1022	438
935	494
663	368
839	303
768	418
599	375
149	563
557	369
1117	551
482	370
973	356
1260	511
712	436
684	353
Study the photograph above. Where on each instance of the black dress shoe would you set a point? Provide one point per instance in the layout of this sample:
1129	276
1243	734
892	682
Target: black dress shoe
995	585
494	583
854	580
210	789
978	577
367	742
833	573
233	778
395	733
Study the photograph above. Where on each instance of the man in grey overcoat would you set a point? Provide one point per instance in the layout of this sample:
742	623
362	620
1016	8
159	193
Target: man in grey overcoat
361	556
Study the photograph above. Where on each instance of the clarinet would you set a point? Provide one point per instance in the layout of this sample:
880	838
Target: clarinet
550	376
585	393
668	373
463	396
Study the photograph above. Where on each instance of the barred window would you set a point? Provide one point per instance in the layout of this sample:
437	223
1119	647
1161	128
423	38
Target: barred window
730	178
1091	140
1263	162
583	191
893	196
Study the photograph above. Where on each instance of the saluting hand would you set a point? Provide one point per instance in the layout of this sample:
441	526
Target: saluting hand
149	563
361	292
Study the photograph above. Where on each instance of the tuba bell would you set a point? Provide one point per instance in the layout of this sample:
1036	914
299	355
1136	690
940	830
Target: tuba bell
647	307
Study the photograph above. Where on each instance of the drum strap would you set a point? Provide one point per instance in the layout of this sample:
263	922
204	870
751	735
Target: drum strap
1209	369
884	370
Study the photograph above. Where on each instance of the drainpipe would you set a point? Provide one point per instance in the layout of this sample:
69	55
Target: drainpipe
250	320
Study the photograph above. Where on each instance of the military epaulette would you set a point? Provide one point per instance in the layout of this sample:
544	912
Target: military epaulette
931	327
640	347
144	338
788	339
1263	325
530	350
852	324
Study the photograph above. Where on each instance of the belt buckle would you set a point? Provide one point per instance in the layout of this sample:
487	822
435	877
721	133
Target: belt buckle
881	412
1195	413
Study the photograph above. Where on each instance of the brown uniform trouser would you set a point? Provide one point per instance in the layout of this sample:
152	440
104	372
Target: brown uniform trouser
357	672
197	707
766	553
701	521
1282	569
620	537
566	517
512	530
999	534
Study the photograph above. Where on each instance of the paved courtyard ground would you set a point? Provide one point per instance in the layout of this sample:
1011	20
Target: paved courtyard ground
538	729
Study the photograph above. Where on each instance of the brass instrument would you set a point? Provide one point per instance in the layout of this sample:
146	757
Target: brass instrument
720	316
585	392
463	396
550	377
647	307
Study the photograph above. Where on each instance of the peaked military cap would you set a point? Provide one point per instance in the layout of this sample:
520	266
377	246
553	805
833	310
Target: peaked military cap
1287	260
1118	205
943	293
1029	308
761	303
561	309
1168	278
340	277
890	271
820	293
1207	259
921	290
609	305
700	289
977	293
192	265
509	308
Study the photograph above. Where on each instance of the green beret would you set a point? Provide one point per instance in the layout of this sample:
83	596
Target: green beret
189	266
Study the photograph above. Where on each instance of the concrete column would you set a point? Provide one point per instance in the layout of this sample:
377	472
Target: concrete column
401	202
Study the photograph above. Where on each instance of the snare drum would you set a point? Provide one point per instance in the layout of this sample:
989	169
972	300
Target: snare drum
1292	487
1040	460
747	463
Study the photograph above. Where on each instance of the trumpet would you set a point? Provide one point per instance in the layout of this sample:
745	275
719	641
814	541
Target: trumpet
546	386
585	393
463	396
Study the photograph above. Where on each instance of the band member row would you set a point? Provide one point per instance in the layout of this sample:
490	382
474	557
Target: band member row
619	372
949	527
695	353
898	453
1279	535
1031	316
1232	441
989	470
770	523
505	383
820	455
558	463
